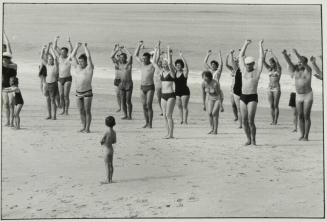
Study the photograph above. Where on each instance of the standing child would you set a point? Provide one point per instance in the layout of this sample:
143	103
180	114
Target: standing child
18	100
108	139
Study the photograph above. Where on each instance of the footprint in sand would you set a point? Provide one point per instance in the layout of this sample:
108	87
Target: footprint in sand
81	206
13	207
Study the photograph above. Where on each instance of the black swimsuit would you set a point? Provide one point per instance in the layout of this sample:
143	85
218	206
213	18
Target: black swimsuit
168	78
18	98
237	89
181	88
7	73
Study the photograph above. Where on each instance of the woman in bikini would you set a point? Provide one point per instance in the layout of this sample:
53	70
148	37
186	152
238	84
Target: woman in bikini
274	91
168	98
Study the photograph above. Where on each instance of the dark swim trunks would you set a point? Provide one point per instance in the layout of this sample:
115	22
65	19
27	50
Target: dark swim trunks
117	82
126	85
52	89
146	88
18	99
87	93
246	98
64	80
292	102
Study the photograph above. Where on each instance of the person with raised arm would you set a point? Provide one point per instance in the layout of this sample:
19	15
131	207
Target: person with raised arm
65	77
168	100
318	74
216	69
50	61
84	75
274	89
115	59
147	84
304	96
181	89
249	96
157	81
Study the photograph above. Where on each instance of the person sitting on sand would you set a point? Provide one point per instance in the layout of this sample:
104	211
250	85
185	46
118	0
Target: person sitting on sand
147	84
212	90
215	68
318	74
274	92
18	100
51	89
249	97
115	58
65	77
124	66
236	87
304	96
9	69
84	75
108	140
168	100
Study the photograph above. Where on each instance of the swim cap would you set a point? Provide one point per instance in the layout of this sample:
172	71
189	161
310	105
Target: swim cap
249	60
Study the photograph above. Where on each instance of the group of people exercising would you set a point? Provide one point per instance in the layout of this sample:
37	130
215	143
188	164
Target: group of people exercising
169	80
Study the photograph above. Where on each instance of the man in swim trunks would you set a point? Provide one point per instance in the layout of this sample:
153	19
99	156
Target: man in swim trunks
304	96
84	74
114	57
51	88
249	96
65	77
147	84
126	84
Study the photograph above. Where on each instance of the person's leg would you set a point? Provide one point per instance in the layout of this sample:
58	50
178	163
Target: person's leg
149	101
245	121
234	107
307	105
5	105
61	97
67	87
300	112
170	109
118	98
111	167
295	118
180	108
185	100
107	168
18	108
47	97
158	92
143	97
58	104
129	103
80	105
210	105
88	115
276	105
215	115
164	111
53	105
123	95
11	108
237	102
272	108
221	101
252	109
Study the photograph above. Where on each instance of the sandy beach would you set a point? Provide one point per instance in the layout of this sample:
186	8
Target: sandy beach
49	170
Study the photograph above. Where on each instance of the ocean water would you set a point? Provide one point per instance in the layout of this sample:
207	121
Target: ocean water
191	28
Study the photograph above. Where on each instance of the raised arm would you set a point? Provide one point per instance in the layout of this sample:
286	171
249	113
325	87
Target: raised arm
234	65
220	68
291	66
264	60
137	51
186	70
55	44
7	43
74	52
261	57
230	68
205	63
241	56
43	57
129	55
170	59
318	74
113	54
204	96
88	55
70	45
302	60
279	68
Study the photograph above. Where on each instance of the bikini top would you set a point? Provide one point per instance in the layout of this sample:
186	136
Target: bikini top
167	78
273	74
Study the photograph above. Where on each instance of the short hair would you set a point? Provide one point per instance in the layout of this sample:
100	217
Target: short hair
207	74
123	54
15	81
110	121
179	61
83	56
65	49
272	60
214	62
305	59
146	54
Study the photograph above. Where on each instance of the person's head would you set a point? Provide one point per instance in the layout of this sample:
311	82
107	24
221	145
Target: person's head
165	64
160	62
64	52
214	64
13	81
302	62
179	64
207	76
123	58
146	58
6	58
50	59
4	48
82	60
236	60
249	63
110	121
272	63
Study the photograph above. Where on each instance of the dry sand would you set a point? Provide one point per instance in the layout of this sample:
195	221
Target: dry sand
49	170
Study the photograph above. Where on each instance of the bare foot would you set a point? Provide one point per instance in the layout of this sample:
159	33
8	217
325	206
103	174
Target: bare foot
181	122
295	130
87	131
49	117
235	119
305	139
82	130
186	122
66	113
301	138
12	125
129	118
222	109
271	123
247	143
240	127
210	132
104	182
7	124
215	132
54	118
118	110
124	117
254	143
62	113
150	126
145	126
161	114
